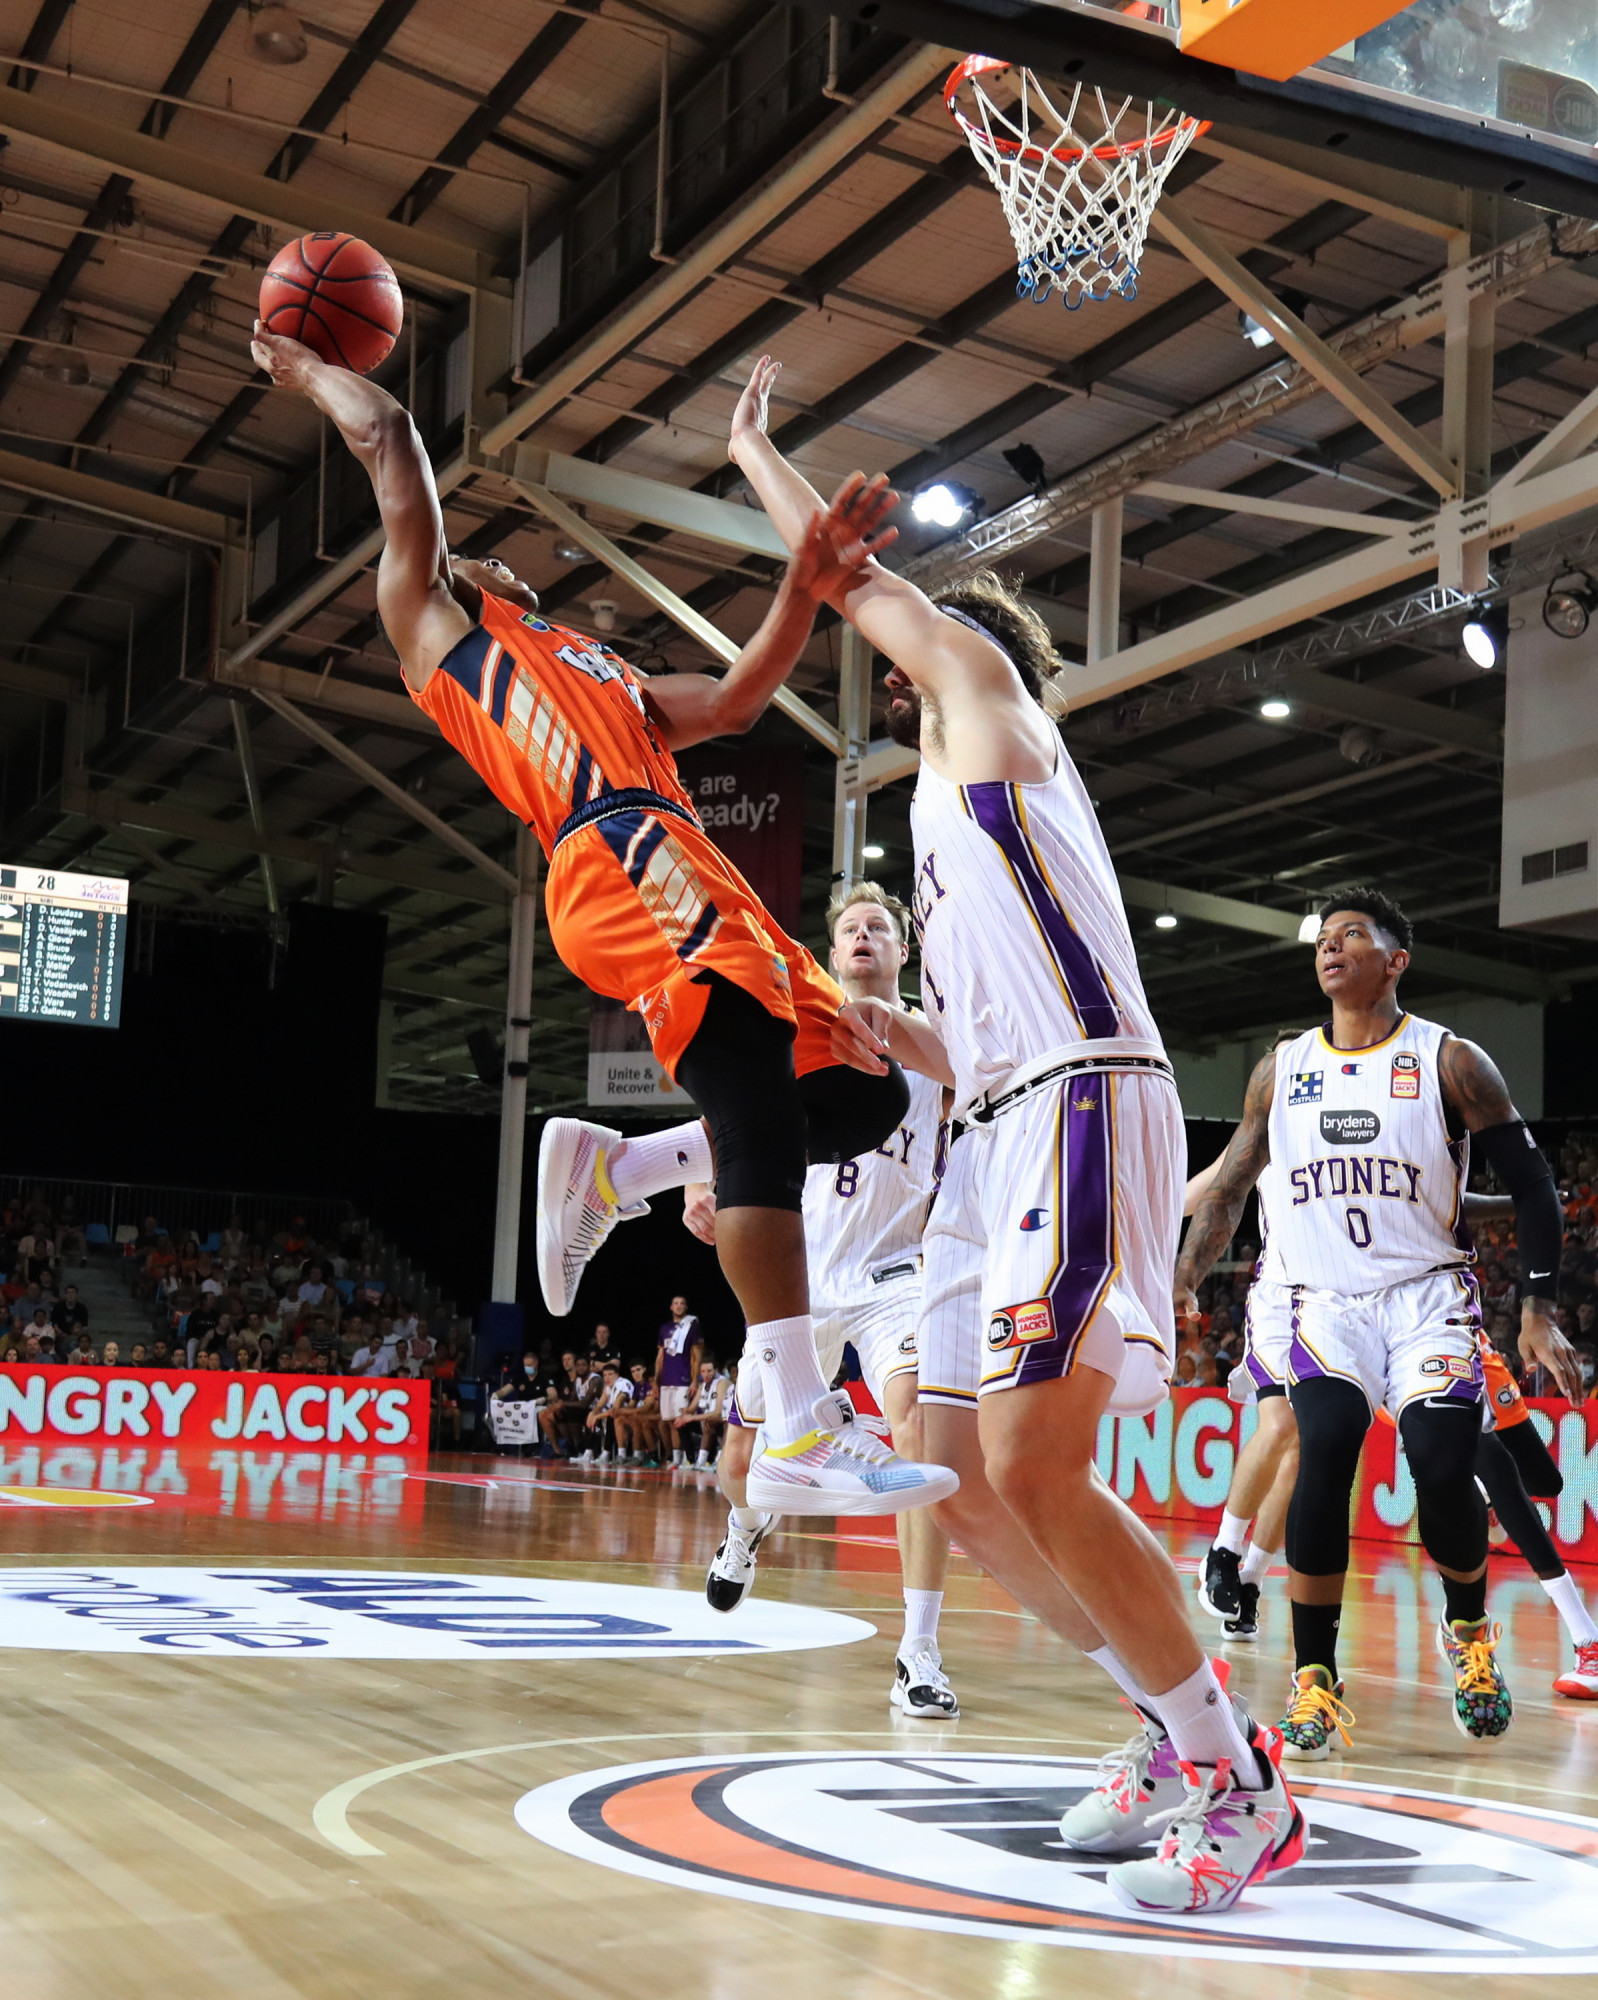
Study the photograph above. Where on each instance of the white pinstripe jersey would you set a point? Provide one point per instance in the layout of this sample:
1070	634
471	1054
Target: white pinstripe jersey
866	1215
1364	1186
1024	941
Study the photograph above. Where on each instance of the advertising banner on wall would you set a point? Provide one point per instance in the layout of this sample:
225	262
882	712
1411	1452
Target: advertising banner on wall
1178	1462
752	804
126	1405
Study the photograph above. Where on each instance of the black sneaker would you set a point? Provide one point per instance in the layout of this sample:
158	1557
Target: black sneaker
1220	1592
1246	1625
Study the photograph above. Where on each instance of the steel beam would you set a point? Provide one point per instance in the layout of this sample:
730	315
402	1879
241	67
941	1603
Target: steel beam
325	692
665	599
63	484
44	682
1271	509
252	792
1104	581
114	809
1359	701
586	484
1209	256
850	788
397	795
1569	438
1482	975
513	1085
294	209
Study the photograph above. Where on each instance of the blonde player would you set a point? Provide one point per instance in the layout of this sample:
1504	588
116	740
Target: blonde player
1049	1252
863	1224
1359	1133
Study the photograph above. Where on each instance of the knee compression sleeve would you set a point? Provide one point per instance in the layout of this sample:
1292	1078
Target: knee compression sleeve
1333	1418
738	1069
1539	1475
849	1112
1497	1472
1440	1442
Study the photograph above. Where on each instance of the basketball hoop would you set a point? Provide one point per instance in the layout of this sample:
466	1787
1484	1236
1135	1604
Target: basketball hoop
1078	183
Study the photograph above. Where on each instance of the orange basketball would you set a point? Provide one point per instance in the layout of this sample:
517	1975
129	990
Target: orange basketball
338	296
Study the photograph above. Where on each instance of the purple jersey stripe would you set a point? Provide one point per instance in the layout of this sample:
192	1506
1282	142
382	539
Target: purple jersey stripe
995	810
1086	1131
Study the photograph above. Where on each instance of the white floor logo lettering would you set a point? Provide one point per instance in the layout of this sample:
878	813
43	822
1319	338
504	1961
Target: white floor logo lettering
1402	1880
383	1615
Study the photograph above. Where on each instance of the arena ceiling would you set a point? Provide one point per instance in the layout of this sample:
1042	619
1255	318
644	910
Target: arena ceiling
185	567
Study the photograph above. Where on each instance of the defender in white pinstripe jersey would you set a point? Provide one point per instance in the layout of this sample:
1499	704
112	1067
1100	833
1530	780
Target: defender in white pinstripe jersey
1050	1248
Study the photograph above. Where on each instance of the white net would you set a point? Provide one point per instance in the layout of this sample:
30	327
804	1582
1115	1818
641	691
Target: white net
1078	176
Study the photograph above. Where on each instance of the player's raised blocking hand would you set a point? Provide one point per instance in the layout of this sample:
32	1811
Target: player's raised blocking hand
838	543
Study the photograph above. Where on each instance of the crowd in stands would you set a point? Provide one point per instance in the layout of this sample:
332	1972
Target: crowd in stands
1209	1353
285	1303
596	1407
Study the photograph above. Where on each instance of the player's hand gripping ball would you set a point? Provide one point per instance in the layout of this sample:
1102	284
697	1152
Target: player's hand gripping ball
334	293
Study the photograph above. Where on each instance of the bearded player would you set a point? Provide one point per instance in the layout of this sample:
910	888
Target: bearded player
642	907
1049	1252
863	1225
1360	1134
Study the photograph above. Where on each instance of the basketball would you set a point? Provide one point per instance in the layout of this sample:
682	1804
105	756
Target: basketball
336	294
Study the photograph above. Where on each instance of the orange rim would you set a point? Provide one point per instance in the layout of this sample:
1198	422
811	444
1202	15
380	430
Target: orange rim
975	66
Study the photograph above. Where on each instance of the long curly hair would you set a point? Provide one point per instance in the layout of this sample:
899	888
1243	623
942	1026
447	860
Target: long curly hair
998	607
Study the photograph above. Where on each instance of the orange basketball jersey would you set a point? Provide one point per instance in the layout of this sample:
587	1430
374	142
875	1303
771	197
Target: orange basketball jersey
640	901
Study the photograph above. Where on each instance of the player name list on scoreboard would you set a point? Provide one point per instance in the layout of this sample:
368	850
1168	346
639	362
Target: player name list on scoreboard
62	939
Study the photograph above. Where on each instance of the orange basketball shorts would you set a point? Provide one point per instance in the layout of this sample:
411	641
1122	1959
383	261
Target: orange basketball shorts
641	905
1504	1400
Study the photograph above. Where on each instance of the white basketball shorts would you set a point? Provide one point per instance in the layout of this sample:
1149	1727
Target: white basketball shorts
674	1400
1052	1243
1403	1342
1267	1335
881	1330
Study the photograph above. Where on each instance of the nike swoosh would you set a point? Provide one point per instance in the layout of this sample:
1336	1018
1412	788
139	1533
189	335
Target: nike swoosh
1542	1274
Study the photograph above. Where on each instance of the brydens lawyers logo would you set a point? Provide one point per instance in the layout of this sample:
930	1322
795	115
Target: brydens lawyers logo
1391	1879
378	1615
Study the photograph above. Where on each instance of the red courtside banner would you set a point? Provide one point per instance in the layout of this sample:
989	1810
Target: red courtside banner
189	1407
1178	1464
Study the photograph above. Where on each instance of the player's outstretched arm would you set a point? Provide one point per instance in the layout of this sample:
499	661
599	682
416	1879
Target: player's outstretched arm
1475	1091
419	612
866	1032
834	544
893	614
1220	1207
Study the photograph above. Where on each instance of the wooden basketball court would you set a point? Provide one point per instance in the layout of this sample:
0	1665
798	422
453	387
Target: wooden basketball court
286	1824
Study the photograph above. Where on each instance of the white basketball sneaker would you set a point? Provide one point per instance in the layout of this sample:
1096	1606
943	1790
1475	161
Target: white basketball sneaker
577	1206
921	1687
1139	1787
1219	1841
841	1468
731	1575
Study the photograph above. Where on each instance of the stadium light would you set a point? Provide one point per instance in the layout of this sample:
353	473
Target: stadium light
939	506
1165	921
1255	334
1486	635
1568	607
872	853
1310	929
1275	710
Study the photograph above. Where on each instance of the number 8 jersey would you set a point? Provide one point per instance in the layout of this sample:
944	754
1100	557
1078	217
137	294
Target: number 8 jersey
1364	1187
865	1216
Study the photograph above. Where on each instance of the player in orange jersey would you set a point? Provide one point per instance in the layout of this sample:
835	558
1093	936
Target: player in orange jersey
644	908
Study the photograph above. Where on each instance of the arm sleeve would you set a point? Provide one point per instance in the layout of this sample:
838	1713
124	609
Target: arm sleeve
1513	1155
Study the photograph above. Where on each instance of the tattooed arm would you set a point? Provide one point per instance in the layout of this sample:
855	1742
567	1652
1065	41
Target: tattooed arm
1476	1094
1216	1217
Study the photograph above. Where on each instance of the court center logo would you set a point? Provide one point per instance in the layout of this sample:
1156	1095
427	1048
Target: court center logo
1397	1880
386	1615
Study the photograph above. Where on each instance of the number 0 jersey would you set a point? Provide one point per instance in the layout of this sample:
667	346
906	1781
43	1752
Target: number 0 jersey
1364	1187
867	1215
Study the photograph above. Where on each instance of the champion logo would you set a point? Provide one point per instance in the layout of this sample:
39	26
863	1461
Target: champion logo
1035	1218
1351	1069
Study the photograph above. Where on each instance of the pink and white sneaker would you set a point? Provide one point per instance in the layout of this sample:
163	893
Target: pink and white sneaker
1218	1842
1139	1787
1581	1683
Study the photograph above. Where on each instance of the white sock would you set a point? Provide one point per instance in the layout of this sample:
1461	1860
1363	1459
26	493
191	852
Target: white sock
1232	1533
655	1161
1254	1564
1203	1726
747	1518
921	1608
790	1375
1568	1603
1107	1658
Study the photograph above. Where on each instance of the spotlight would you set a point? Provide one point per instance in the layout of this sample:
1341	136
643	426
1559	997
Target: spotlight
603	612
277	37
1026	463
940	506
873	852
1358	744
1310	929
1255	334
1275	710
1486	634
570	552
1165	921
1568	606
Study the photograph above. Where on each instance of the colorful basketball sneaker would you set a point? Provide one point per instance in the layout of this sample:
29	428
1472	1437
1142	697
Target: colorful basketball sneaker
1139	1786
1219	1841
840	1467
1483	1705
577	1206
1581	1682
1316	1713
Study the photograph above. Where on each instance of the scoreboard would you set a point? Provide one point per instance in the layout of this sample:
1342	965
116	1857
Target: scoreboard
62	941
